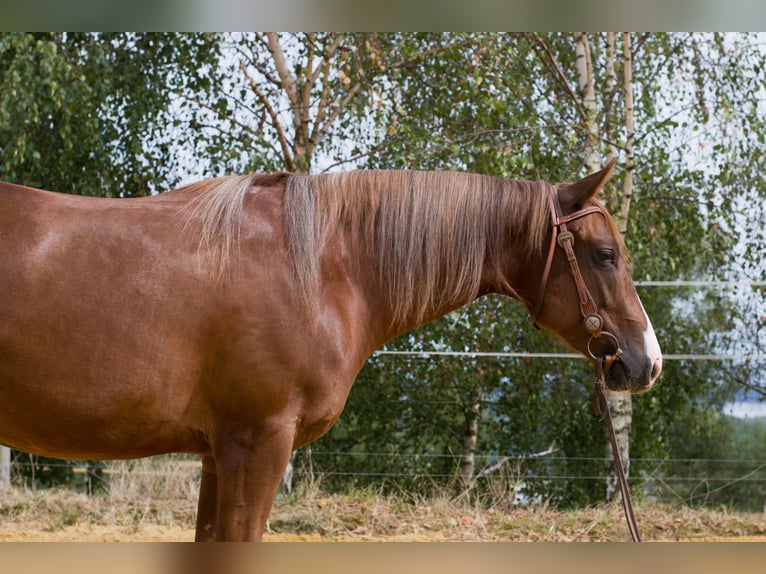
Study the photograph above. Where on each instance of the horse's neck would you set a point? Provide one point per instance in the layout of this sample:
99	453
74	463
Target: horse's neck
383	318
419	256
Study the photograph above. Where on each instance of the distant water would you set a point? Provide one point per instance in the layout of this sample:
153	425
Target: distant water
745	410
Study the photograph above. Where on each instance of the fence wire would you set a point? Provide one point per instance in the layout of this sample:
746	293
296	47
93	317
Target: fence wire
529	468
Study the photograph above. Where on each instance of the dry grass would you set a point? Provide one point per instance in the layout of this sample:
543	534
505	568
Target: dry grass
367	515
143	495
146	504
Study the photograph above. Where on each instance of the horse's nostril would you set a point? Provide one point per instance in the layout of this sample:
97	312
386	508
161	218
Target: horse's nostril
656	370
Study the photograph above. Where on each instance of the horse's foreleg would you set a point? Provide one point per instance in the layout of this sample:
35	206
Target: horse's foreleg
207	506
249	468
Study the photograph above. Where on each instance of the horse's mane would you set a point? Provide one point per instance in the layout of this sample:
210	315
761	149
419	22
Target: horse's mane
430	233
216	206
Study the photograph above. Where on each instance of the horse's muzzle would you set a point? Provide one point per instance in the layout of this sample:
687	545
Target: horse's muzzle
632	376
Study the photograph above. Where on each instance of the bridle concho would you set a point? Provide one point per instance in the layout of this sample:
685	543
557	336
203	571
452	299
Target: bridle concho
593	323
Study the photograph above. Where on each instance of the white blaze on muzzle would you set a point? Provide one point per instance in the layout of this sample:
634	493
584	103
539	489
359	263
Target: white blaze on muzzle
652	348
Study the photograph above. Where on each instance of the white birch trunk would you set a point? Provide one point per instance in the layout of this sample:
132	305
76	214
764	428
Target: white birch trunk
5	467
630	136
611	85
621	408
468	445
620	404
286	485
588	95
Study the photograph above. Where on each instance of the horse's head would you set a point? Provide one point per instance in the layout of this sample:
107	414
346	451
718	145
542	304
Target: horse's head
587	295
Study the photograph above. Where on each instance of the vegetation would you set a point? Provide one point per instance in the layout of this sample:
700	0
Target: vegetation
505	104
156	500
93	113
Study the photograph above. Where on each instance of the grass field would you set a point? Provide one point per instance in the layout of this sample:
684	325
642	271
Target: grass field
127	513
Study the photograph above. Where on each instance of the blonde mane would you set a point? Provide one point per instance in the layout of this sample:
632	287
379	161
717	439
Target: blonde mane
429	233
214	214
216	210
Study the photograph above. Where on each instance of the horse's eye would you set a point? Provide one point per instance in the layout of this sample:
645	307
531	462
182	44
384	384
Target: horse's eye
606	257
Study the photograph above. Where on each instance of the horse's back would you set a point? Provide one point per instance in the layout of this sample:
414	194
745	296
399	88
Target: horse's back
120	335
104	316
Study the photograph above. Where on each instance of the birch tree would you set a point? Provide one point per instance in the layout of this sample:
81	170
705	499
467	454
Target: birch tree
620	404
522	105
595	123
287	101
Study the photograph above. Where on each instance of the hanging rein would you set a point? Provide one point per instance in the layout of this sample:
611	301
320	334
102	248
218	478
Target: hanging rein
593	323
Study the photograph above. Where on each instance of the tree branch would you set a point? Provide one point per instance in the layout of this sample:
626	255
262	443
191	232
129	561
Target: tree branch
289	84
281	135
319	130
630	135
336	112
552	64
553	449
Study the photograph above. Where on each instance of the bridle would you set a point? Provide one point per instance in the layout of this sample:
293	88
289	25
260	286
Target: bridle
593	323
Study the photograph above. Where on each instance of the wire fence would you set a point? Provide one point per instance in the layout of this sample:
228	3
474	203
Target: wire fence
703	283
102	469
688	480
531	355
735	482
755	356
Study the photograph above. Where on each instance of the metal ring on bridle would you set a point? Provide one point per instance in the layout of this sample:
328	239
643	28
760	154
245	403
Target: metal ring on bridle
616	354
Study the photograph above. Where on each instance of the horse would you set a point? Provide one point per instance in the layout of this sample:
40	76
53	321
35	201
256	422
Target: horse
230	317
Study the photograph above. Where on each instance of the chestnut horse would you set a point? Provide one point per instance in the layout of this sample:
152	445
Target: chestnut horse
229	318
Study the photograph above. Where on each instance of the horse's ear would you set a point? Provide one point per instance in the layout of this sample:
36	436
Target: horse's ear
573	196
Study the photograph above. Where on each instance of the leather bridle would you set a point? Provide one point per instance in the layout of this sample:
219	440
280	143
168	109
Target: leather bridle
601	407
593	323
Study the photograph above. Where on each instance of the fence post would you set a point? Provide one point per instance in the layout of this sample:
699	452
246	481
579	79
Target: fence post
5	467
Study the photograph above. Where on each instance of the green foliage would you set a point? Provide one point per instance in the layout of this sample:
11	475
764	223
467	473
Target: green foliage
716	461
90	113
127	114
477	102
491	103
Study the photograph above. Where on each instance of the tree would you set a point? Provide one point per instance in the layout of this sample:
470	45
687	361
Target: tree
283	101
620	404
90	113
709	199
508	104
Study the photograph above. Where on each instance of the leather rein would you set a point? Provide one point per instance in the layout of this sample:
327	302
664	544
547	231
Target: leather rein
593	323
601	407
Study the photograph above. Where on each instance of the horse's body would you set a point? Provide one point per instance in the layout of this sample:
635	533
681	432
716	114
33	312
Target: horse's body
230	318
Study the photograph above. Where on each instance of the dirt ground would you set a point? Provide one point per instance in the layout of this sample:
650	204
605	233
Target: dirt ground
154	533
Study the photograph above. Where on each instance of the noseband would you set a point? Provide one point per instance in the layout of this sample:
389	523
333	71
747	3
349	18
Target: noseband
592	321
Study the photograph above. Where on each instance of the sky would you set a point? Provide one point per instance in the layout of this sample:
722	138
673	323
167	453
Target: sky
745	410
